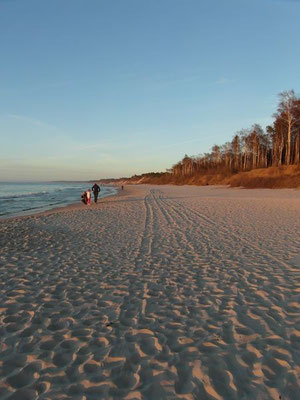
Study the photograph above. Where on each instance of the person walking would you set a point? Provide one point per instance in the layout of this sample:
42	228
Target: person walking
96	190
88	196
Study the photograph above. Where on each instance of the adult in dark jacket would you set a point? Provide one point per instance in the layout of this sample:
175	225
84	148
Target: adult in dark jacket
96	190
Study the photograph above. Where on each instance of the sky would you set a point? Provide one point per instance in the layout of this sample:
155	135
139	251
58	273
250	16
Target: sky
93	89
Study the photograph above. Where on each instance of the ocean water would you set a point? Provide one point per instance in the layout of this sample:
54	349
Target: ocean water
30	198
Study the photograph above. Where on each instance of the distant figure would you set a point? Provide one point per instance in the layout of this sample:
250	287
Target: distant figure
84	197
122	187
88	195
96	190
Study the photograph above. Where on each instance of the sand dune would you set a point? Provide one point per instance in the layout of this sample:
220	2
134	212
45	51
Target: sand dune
158	293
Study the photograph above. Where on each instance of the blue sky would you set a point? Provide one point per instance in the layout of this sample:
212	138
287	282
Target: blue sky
109	88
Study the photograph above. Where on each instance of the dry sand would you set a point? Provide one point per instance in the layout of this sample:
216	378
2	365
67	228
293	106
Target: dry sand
158	293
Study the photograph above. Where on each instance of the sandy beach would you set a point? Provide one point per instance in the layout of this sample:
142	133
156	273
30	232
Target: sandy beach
160	292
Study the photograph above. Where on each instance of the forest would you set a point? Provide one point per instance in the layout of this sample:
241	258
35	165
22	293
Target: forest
253	148
253	158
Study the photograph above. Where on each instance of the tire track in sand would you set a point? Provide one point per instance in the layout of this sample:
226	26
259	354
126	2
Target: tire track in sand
227	232
257	310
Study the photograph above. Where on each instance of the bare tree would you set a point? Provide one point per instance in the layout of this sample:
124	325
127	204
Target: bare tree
253	148
286	113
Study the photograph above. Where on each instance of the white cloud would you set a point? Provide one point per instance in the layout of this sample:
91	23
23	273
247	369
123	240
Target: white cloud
35	122
223	81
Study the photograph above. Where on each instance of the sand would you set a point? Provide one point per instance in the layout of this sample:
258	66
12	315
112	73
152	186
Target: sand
157	293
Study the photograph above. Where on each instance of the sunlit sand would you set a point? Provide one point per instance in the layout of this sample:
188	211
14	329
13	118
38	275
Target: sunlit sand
157	293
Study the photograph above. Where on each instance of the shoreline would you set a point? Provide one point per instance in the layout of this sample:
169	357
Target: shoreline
119	192
65	207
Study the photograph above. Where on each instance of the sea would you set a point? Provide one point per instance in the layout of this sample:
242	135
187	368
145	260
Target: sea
24	198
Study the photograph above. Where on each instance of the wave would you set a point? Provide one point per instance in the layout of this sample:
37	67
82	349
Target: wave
42	198
21	195
38	193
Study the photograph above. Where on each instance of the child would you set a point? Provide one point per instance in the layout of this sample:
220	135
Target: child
88	195
84	197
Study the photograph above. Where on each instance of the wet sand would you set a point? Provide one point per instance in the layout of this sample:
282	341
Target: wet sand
157	293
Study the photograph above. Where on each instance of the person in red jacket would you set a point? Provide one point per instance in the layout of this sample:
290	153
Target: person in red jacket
88	195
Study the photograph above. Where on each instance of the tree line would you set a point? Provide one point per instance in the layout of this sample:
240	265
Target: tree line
278	144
